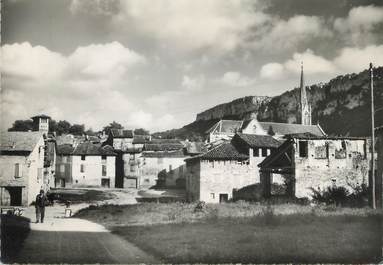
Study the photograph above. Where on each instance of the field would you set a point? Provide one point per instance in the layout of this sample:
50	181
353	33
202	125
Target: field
246	233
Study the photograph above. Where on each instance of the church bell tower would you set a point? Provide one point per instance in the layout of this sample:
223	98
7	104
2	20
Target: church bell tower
304	105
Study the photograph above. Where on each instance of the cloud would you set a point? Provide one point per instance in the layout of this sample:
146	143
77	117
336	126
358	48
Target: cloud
94	7
236	79
87	86
191	25
193	84
142	119
349	59
273	71
279	34
359	26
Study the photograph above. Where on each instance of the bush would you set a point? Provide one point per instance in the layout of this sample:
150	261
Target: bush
341	196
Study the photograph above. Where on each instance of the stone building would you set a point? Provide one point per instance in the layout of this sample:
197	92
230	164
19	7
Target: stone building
21	167
86	165
379	173
226	129
308	161
214	176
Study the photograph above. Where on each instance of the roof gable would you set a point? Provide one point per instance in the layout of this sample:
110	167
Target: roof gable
120	133
253	140
290	128
88	148
19	141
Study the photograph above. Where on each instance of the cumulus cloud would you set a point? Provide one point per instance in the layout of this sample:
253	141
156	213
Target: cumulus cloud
360	24
236	79
84	86
344	62
216	24
193	83
286	34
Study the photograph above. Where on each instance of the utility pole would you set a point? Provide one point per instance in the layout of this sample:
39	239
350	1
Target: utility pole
372	138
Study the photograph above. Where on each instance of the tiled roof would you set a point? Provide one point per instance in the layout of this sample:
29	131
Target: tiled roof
88	148
258	140
141	139
65	149
120	133
19	141
174	154
289	128
225	151
163	145
65	139
226	126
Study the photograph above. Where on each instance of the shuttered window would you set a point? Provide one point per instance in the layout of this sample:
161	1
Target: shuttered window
18	170
82	168
103	170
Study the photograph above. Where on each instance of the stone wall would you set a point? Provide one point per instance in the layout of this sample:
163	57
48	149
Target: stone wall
380	160
31	172
345	164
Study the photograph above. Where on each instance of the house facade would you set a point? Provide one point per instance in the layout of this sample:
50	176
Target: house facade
21	167
86	165
379	172
309	162
214	176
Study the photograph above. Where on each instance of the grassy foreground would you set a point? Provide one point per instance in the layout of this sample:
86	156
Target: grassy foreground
246	233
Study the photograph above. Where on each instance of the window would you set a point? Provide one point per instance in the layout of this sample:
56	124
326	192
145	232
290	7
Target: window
103	170
18	170
256	152
62	168
302	145
212	196
264	152
103	157
82	157
64	159
82	168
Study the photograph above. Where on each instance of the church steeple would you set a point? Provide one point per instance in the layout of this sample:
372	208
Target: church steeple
305	107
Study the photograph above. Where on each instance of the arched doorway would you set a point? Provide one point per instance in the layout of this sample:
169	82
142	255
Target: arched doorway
11	196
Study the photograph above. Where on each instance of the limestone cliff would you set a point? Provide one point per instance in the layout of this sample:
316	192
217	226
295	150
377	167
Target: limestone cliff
341	107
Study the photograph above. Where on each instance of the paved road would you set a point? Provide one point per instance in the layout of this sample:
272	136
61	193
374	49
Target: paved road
76	241
69	240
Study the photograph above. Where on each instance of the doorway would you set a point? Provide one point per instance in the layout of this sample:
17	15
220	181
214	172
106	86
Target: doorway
223	197
11	196
105	183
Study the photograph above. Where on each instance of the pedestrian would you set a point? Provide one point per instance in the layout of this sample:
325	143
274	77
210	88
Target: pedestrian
41	201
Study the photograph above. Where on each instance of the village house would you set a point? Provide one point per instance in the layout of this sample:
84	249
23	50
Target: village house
163	163
21	167
128	148
214	176
86	165
309	162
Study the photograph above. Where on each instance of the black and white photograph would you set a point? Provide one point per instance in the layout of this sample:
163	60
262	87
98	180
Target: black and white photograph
191	131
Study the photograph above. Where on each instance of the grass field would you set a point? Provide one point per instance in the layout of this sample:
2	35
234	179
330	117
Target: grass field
246	233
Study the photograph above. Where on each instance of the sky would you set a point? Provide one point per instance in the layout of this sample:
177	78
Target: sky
156	64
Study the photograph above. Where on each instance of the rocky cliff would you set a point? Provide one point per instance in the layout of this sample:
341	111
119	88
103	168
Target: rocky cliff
240	107
341	107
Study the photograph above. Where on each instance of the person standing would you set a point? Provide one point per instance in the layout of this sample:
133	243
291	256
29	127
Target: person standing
41	201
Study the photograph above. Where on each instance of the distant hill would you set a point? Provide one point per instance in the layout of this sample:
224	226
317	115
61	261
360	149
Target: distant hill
341	107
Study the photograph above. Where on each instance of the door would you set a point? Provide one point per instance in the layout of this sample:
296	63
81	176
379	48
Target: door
62	183
223	197
105	183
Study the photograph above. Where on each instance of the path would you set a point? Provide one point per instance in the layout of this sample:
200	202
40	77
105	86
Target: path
73	240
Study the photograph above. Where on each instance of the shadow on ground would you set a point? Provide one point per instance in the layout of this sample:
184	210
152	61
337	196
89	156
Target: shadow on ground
14	231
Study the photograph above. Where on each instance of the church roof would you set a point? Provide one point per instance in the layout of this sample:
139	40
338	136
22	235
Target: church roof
290	128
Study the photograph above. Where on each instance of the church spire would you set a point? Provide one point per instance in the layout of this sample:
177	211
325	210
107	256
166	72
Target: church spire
305	107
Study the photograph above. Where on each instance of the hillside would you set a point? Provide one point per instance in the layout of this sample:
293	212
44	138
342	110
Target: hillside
341	107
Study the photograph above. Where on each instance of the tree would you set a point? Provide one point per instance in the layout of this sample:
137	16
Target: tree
63	127
77	129
21	126
112	125
141	131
